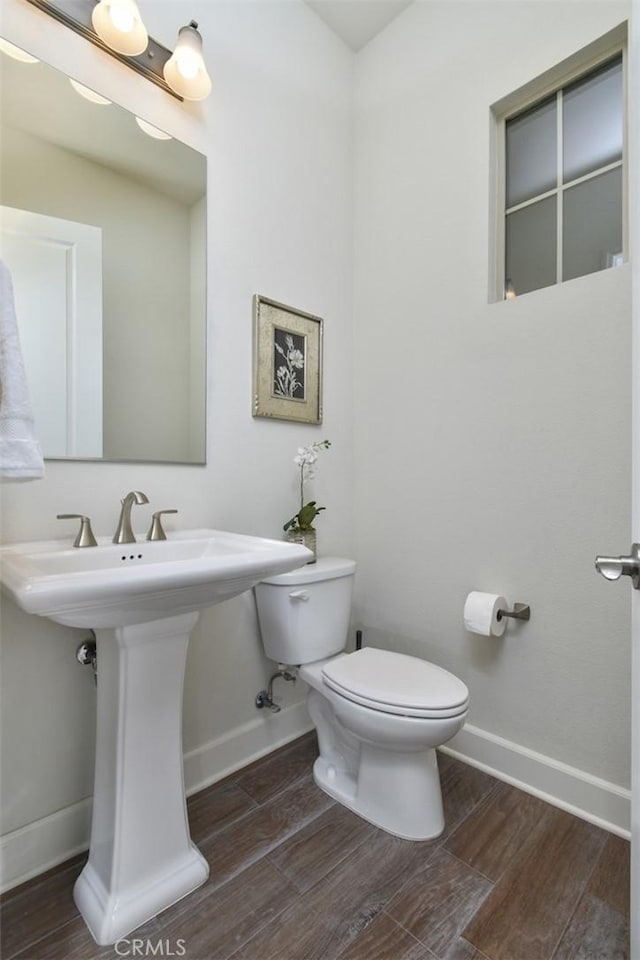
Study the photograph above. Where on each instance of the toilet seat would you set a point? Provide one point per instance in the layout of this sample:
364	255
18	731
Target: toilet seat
390	682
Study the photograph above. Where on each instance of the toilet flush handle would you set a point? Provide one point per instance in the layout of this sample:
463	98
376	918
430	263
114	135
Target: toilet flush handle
299	595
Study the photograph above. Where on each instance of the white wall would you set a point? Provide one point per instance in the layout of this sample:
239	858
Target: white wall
492	440
277	134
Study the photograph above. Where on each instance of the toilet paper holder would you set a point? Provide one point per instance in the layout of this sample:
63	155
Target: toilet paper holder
521	611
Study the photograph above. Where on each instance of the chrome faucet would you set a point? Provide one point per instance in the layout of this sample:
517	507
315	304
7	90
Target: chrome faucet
124	533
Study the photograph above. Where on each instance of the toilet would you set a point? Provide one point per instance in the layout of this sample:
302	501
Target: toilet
379	715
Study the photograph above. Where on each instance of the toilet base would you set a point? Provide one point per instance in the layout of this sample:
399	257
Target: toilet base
398	792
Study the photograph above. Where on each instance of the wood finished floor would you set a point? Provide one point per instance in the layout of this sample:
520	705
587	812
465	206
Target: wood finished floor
295	876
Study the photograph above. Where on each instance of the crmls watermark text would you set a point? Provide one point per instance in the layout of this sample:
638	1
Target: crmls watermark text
150	948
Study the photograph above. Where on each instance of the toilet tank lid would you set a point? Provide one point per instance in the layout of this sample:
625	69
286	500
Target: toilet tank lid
325	568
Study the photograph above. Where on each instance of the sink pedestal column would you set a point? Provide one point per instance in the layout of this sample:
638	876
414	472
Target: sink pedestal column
141	858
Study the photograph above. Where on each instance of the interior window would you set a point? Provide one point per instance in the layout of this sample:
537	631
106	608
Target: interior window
563	183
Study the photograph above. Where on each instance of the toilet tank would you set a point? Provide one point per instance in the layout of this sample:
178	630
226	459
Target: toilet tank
304	614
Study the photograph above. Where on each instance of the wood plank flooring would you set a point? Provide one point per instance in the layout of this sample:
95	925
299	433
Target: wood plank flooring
295	876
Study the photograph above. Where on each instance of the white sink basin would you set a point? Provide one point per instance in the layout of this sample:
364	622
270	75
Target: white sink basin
113	585
142	599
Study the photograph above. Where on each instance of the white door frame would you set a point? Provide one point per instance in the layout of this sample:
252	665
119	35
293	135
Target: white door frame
634	167
60	328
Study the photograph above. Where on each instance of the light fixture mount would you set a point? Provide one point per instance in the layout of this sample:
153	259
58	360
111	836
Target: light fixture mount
76	14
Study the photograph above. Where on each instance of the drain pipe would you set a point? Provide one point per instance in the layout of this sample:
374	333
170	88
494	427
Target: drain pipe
265	697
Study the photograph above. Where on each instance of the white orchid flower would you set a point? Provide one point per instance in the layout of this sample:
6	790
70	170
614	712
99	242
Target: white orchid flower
305	459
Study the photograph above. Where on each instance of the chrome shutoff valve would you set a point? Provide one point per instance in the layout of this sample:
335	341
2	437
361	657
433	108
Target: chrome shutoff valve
265	697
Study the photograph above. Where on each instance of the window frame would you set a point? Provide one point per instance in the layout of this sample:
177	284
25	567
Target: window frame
552	82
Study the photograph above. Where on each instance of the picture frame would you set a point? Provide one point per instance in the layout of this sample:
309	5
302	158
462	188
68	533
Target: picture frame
287	362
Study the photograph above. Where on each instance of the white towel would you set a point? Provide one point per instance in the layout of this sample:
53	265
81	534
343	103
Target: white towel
20	455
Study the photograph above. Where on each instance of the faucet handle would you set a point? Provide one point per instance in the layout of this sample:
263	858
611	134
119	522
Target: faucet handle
156	531
85	537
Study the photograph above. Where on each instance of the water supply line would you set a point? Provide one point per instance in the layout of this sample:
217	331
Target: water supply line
265	697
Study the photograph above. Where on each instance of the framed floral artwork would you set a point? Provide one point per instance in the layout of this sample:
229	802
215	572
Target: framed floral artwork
287	362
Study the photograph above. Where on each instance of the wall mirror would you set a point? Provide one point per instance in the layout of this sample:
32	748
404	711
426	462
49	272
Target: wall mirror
103	227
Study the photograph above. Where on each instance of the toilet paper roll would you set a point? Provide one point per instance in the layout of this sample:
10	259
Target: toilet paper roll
481	614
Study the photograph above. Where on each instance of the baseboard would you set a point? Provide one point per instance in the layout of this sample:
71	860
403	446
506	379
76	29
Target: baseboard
224	755
38	846
45	843
590	798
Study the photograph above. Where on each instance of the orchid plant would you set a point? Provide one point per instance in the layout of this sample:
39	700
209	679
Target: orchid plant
305	460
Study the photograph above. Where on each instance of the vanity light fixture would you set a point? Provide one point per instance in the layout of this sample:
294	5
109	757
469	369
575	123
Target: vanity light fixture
16	52
152	131
88	94
117	28
119	24
185	70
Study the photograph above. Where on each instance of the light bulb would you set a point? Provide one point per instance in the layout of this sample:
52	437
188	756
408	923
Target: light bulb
187	64
119	25
122	17
185	70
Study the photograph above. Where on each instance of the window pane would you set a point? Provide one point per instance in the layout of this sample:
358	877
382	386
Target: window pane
592	121
531	153
592	224
531	245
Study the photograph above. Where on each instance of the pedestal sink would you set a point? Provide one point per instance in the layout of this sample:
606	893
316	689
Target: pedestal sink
142	600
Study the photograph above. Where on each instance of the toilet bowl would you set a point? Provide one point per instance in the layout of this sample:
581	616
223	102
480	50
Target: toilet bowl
379	715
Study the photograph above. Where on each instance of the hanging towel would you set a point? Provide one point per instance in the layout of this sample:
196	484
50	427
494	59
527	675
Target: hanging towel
20	455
